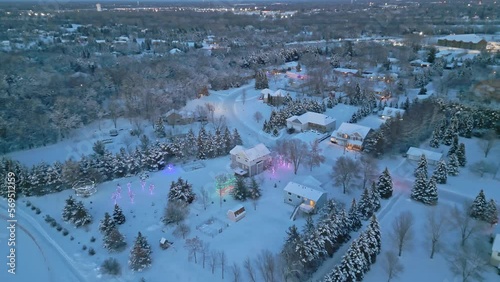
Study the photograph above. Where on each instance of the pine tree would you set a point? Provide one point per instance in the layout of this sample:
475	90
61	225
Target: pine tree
435	141
453	165
160	129
236	138
118	216
113	240
450	132
309	226
430	196
365	207
202	144
479	207
491	213
240	190
106	224
384	184
375	197
461	155
228	141
441	172
181	191
454	145
254	191
69	209
261	81
81	215
140	255
374	233
421	167
354	216
418	190
191	144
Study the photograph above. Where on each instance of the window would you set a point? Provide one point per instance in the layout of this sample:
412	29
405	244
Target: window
289	193
298	197
289	199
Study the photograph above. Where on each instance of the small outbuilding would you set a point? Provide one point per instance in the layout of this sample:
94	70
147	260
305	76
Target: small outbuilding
495	252
236	213
416	153
164	243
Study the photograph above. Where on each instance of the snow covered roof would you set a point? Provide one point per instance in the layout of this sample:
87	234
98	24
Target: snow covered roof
237	207
266	91
351	128
307	180
259	151
472	38
303	191
344	70
496	244
279	92
392	112
312	117
175	51
430	155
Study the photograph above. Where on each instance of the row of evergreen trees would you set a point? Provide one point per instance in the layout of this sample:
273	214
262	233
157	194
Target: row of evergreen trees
103	166
243	190
295	107
484	210
76	213
362	253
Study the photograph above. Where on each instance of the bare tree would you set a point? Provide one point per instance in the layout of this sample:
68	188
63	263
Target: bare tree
481	167
175	212
204	253
243	96
315	157
267	266
294	151
392	266
204	198
436	226
213	260
467	263
194	245
402	231
345	170
219	123
114	111
460	220
223	262
257	116
247	264
211	111
201	113
235	268
182	230
368	166
488	142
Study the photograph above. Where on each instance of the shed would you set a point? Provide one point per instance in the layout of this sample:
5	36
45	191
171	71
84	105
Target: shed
416	153
495	252
236	213
164	243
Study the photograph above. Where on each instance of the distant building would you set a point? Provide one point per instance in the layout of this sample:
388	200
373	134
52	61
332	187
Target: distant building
350	135
495	252
98	6
415	154
249	162
306	198
275	98
389	113
174	117
464	41
311	121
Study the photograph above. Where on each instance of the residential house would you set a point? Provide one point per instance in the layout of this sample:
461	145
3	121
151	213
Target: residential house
389	113
311	121
350	135
346	72
495	252
465	41
250	162
274	98
415	154
174	117
306	198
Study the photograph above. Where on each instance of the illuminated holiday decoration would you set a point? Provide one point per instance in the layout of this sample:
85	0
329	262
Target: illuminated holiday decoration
119	191
84	188
129	185
114	197
224	184
143	184
151	189
131	195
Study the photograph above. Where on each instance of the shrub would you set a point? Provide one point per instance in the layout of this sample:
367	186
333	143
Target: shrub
38	211
84	247
59	227
33	208
71	238
28	203
49	219
290	130
111	266
91	251
92	240
65	232
53	223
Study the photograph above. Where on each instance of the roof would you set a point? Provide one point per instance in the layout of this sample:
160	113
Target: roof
496	244
344	70
311	117
303	191
392	112
472	38
235	208
259	151
351	128
430	155
266	91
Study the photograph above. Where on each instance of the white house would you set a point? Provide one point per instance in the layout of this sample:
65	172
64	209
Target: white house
415	154
392	113
311	120
495	252
350	135
308	199
274	98
236	213
249	162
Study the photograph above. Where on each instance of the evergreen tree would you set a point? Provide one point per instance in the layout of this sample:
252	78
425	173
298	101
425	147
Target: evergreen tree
228	140
261	81
191	144
113	240
469	126
81	215
435	141
236	138
365	206
454	145
240	190
453	165
491	213
374	233
354	217
384	184
418	190
202	144
450	132
421	167
309	226
140	255
375	197
118	216
254	191
441	172
106	224
461	155
69	209
181	191
430	196
160	129
479	207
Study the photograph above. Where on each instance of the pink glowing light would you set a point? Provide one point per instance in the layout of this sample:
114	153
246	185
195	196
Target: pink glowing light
129	185
143	184
114	196
151	189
